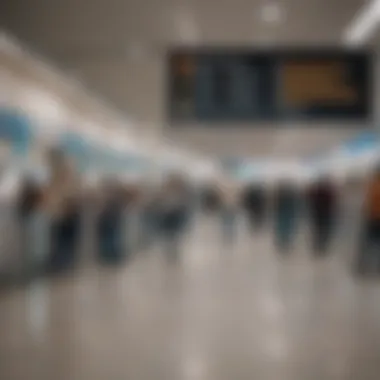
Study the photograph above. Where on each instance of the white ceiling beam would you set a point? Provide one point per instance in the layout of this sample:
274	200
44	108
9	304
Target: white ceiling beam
364	24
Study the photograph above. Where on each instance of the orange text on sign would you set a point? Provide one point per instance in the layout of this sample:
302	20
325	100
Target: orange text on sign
317	82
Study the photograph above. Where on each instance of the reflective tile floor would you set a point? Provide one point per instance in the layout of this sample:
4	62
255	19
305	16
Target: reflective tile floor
218	313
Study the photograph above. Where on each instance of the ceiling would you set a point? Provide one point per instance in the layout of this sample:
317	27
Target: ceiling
117	47
75	32
74	28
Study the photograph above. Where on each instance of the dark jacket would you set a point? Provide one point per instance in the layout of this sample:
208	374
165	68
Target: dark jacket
254	200
286	200
111	217
322	201
29	199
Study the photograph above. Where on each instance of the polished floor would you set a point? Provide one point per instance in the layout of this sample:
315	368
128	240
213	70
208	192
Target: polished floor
219	312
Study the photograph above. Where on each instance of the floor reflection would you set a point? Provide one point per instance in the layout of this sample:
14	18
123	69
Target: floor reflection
210	315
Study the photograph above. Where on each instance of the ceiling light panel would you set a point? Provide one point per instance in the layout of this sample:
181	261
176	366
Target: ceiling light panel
364	24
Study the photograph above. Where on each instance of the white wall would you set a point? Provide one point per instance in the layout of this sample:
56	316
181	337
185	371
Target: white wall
51	100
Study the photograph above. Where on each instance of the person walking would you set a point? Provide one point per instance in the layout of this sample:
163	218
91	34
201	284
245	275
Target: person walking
286	214
229	212
111	231
323	210
62	202
173	214
254	202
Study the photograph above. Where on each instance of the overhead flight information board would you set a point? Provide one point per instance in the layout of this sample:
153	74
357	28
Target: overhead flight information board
207	86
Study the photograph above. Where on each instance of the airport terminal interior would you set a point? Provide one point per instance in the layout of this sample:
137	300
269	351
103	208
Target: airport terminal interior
189	190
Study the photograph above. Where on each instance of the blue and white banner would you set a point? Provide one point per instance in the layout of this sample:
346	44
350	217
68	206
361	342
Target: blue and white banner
362	143
16	129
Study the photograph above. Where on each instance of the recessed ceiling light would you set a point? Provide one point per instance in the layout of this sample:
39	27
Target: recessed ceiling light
271	12
187	27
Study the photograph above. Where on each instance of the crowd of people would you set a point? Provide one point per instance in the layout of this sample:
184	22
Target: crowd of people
51	217
56	217
327	207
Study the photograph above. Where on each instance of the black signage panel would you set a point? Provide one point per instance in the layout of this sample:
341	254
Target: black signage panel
273	86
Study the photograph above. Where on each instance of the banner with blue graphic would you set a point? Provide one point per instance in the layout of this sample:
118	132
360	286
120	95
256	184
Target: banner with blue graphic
362	143
88	156
16	129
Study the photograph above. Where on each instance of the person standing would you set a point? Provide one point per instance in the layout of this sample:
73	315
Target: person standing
148	217
352	202
173	211
63	205
32	225
323	209
286	213
111	229
132	211
254	202
210	198
229	210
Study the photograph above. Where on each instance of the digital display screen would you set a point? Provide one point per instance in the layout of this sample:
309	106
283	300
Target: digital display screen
309	83
273	86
